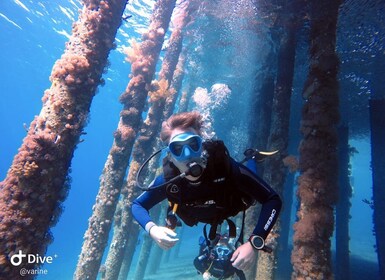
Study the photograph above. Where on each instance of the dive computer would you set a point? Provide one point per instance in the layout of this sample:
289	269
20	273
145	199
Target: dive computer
257	242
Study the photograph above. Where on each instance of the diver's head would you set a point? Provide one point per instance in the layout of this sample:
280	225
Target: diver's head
222	252
182	134
187	121
223	248
185	150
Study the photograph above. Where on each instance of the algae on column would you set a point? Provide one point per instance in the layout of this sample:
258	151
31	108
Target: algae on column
143	58
37	183
275	171
318	163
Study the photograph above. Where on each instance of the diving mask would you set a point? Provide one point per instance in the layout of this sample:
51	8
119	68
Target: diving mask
222	251
185	146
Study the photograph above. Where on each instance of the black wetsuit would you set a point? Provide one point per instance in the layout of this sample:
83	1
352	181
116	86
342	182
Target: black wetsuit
199	199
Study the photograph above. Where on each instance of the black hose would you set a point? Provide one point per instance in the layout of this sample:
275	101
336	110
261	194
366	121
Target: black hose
141	169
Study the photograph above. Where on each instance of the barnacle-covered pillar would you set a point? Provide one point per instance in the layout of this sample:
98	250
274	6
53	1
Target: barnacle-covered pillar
143	58
377	129
160	91
260	113
317	190
172	69
143	148
129	251
175	86
146	248
37	182
185	97
275	170
261	103
262	99
157	252
343	206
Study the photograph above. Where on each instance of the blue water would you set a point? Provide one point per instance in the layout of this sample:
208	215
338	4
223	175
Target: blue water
32	38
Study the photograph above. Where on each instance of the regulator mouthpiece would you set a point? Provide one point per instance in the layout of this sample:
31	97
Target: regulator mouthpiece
194	169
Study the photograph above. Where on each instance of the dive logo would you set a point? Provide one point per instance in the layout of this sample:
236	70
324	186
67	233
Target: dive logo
270	220
174	189
17	259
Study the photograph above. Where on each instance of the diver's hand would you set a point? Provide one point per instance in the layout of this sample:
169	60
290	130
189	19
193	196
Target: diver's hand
243	258
163	236
207	276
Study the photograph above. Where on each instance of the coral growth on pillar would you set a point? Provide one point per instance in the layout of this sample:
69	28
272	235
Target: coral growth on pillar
37	182
317	185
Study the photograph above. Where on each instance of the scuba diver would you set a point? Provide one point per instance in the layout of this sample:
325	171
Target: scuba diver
204	184
214	261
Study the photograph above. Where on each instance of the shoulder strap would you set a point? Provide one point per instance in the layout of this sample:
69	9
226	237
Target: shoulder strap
219	156
213	231
232	231
219	168
240	237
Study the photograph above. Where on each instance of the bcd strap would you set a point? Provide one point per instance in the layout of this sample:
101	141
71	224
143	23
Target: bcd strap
232	228
213	231
205	235
240	238
232	231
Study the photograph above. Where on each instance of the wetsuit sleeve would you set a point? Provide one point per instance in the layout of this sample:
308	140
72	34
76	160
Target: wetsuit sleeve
248	182
148	199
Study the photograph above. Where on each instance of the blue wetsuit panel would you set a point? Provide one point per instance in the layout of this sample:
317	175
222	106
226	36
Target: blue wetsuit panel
147	200
252	165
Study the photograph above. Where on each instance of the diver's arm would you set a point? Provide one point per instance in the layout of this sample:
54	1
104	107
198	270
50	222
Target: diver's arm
268	216
148	199
163	236
250	183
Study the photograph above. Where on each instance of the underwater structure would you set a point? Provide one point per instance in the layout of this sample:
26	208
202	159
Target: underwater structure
299	81
343	205
377	123
317	184
143	59
37	182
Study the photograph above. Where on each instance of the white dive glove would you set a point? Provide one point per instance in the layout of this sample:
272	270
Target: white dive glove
163	236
